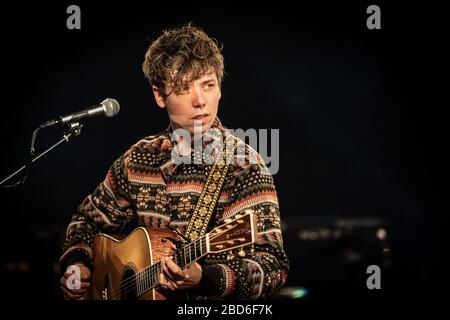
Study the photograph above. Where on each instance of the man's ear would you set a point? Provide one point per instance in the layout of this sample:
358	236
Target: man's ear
158	97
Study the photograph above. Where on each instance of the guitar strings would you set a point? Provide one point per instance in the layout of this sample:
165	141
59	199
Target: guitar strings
134	277
130	283
146	275
139	279
133	282
153	273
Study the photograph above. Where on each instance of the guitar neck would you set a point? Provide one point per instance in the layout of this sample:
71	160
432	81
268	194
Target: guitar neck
148	278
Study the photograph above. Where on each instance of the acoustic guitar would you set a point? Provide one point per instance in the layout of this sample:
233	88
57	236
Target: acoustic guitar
129	269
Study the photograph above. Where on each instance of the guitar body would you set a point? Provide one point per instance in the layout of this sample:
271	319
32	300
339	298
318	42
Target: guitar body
129	268
116	260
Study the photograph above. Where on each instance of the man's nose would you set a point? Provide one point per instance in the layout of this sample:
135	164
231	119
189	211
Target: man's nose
198	98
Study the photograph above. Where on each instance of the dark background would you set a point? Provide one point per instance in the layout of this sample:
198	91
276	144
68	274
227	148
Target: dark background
363	131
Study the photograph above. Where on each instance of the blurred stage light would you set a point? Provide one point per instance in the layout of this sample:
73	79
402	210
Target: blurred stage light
293	292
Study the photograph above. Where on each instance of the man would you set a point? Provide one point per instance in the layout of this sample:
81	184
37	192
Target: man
158	181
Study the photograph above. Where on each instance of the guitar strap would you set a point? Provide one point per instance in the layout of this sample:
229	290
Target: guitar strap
209	196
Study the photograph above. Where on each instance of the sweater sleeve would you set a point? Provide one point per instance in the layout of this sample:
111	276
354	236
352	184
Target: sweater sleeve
107	209
262	272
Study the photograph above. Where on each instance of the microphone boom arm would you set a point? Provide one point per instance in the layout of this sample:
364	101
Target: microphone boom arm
74	131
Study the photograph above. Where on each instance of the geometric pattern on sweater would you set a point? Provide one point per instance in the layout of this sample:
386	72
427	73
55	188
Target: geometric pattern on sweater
145	187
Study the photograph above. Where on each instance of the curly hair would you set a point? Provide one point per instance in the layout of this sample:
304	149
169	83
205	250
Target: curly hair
180	56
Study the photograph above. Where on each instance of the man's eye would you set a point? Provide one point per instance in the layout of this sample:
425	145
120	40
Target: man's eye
210	85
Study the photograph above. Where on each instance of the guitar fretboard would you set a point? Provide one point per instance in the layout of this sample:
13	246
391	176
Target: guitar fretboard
148	278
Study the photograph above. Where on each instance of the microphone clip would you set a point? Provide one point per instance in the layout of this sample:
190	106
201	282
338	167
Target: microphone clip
74	130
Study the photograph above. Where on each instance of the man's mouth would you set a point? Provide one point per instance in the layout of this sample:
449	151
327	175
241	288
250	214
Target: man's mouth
200	116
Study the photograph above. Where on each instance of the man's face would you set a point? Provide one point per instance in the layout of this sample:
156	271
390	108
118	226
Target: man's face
197	103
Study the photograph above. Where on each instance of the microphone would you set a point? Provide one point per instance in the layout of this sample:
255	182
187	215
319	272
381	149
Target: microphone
108	107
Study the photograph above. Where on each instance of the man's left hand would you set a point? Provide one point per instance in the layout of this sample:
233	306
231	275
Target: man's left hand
174	278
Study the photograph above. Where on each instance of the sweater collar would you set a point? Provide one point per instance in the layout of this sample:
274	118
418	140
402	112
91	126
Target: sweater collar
176	149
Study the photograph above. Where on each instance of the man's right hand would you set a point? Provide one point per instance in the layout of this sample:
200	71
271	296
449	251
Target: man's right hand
72	286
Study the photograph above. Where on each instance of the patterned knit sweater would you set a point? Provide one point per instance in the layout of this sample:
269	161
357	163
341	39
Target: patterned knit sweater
145	187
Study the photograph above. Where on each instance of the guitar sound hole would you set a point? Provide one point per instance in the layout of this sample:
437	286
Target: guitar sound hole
128	288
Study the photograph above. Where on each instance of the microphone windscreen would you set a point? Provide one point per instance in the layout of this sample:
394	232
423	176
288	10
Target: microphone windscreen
112	107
